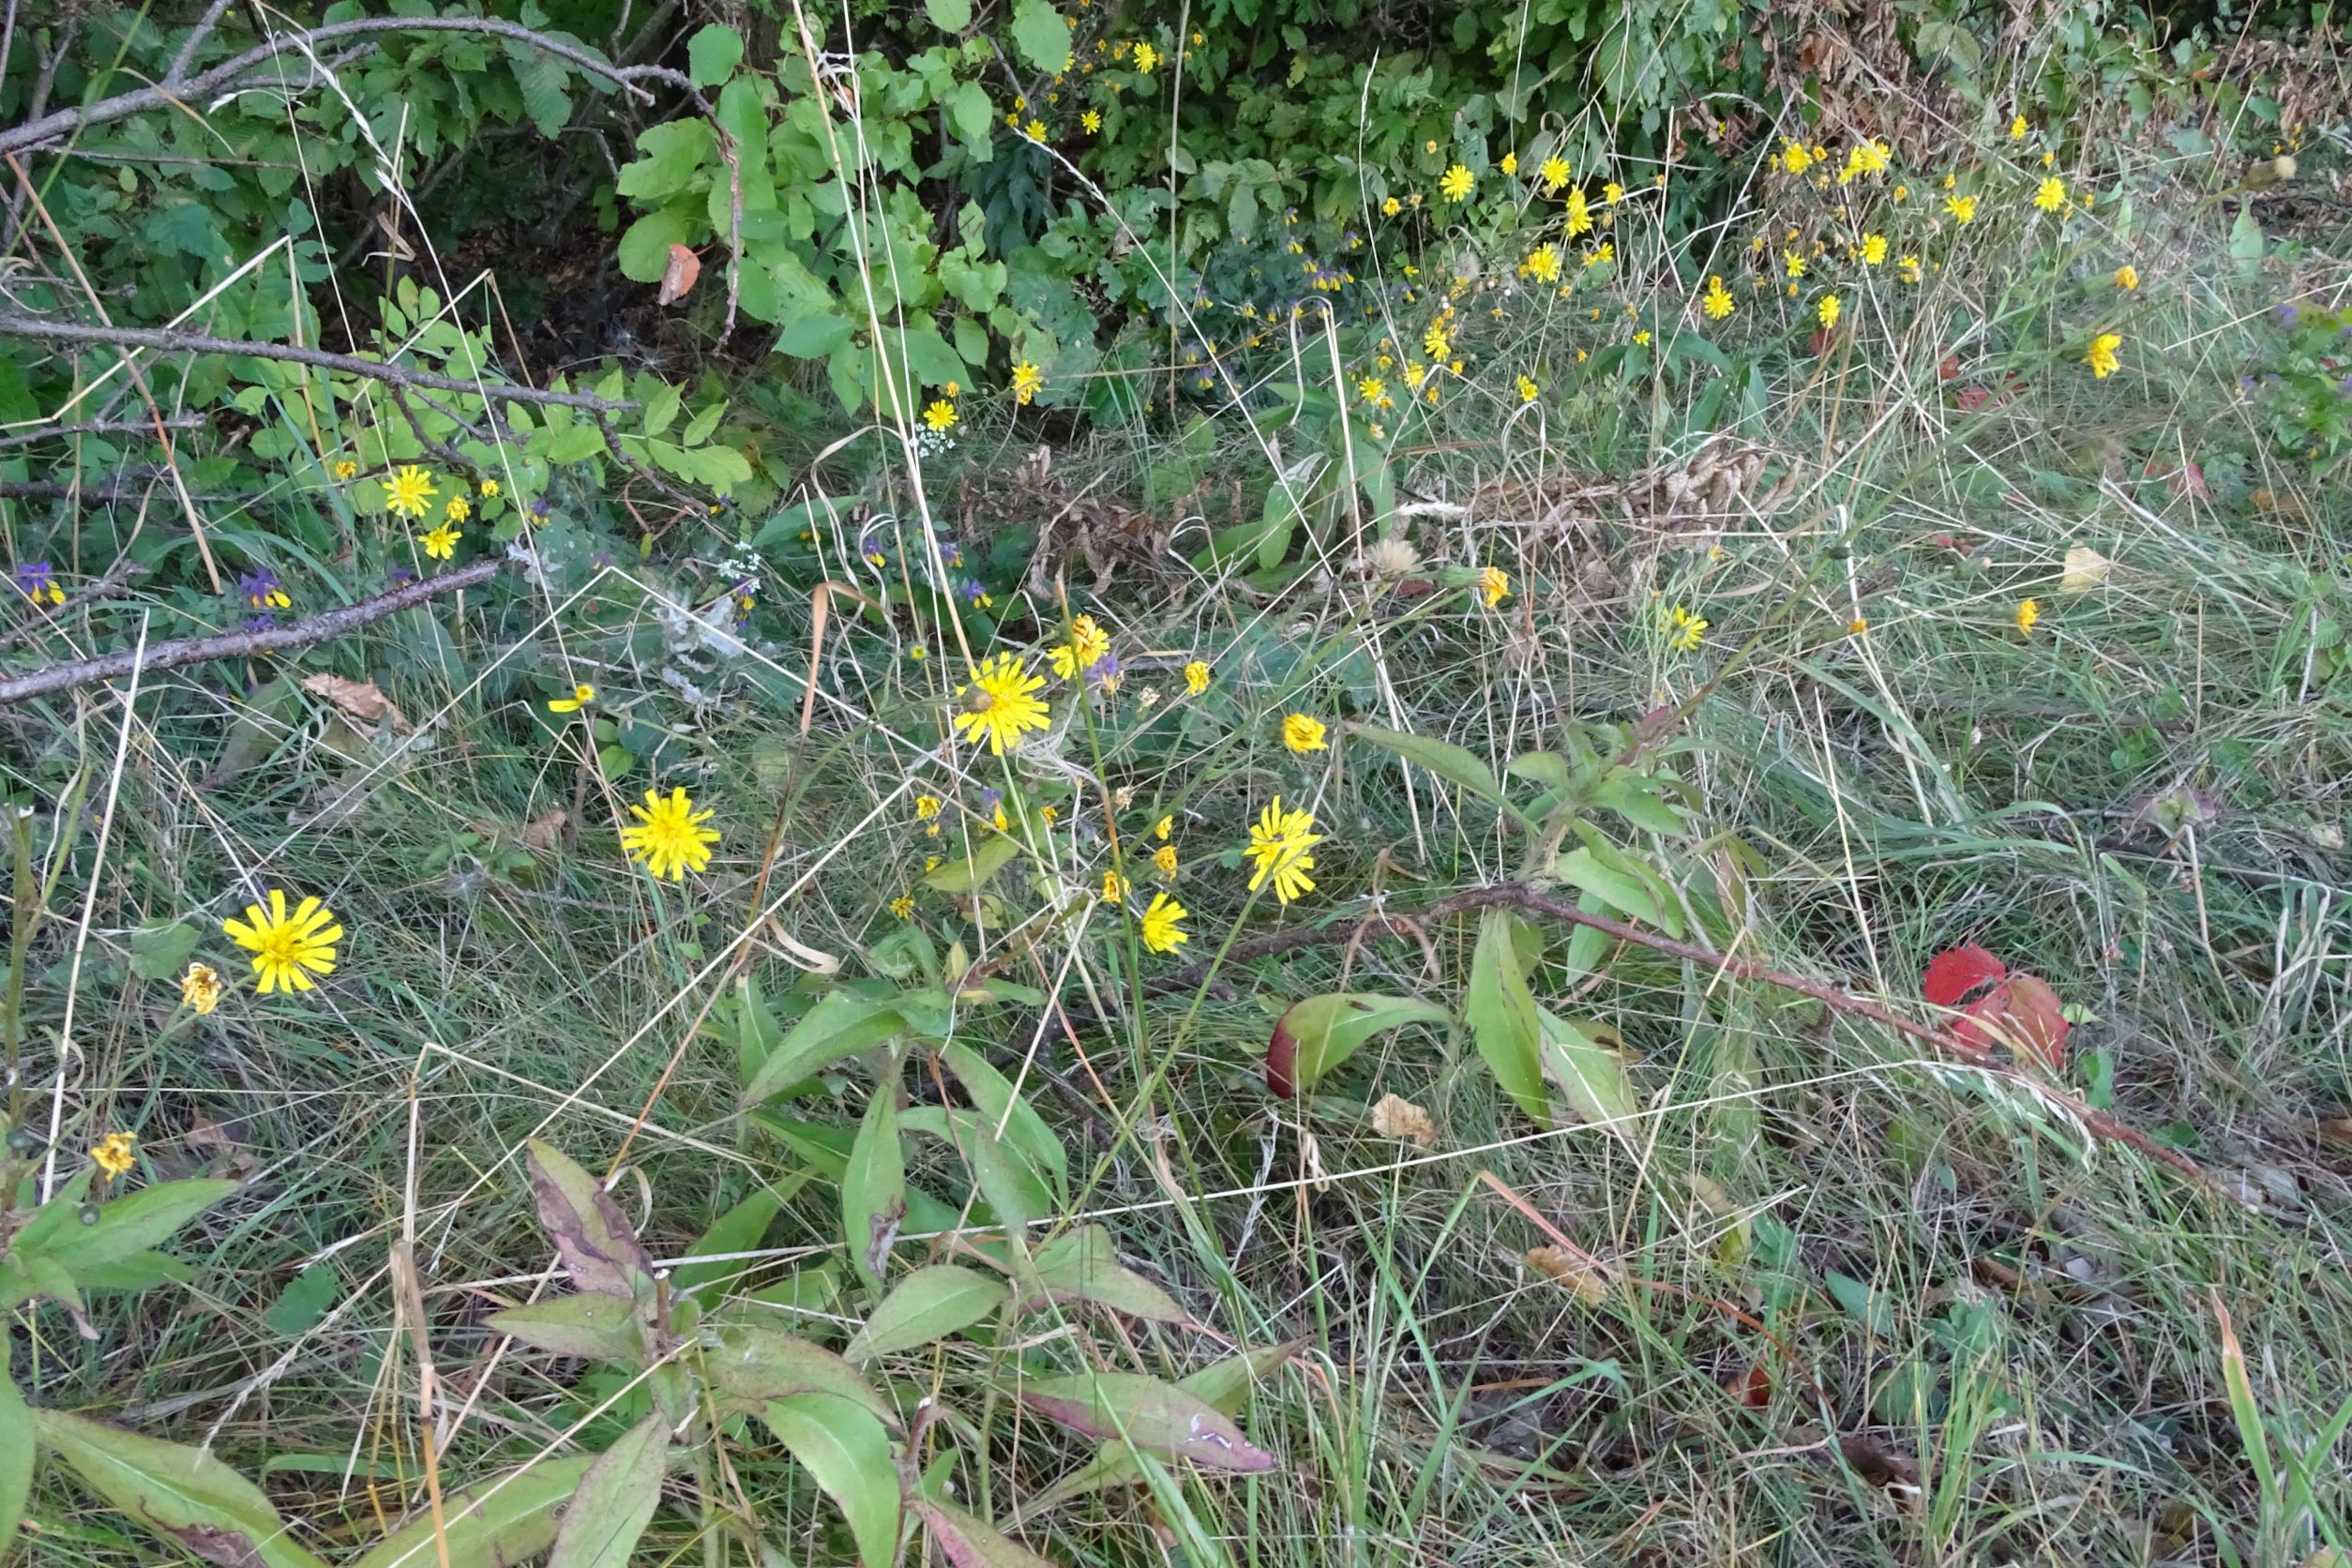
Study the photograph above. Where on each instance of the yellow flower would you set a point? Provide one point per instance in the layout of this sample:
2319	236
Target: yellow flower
113	1154
1963	208
1436	342
1874	250
903	906
1642	337
1278	844
2051	195
1372	389
1542	264
201	988
1858	626
1195	678
490	489
1164	860
406	492
2027	613
1911	269
1828	311
442	543
1391	207
1864	158
1034	130
1685	630
1793	263
345	468
1457	183
1166	825
2127	277
1554	174
669	835
1794	158
1025	380
1494	585
2102	359
1528	389
940	415
1000	704
1088	643
1612	193
1146	58
581	696
1304	734
926	808
1605	251
1579	214
1091	120
1160	926
1717	303
1115	888
287	949
1511	163
2017	129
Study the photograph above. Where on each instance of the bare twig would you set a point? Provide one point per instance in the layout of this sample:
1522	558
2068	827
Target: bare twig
104	427
1516	895
244	644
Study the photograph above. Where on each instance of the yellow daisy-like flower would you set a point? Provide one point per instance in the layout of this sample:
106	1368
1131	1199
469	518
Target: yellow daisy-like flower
2027	613
1542	264
903	906
2102	359
1858	626
1911	271
668	836
1963	208
1792	263
1685	630
1034	130
1794	158
926	808
490	489
2051	195
1278	844
1612	193
1166	825
1027	378
113	1154
1162	925
1001	702
1146	58
2127	277
1511	163
201	988
1195	678
458	509
1494	586
581	696
1828	311
287	948
345	468
1874	250
940	415
1642	337
1554	174
2017	129
1302	734
1391	207
1116	888
1717	302
406	492
1528	389
1457	183
1164	860
1088	643
1864	158
442	543
1436	342
1091	120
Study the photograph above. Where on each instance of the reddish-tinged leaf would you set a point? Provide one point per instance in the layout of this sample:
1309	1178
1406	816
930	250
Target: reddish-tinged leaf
1156	1417
2035	1024
1980	1017
1949	369
592	1236
1753	1388
678	277
1955	971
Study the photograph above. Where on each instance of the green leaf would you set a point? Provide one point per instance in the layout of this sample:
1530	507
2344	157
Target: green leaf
182	1494
928	1305
668	156
589	1326
1587	1062
1318	1033
591	1234
1156	1417
1223	1385
838	1025
495	1525
741	1229
56	1219
969	876
993	1097
874	1185
1501	1012
1082	1265
1613	886
968	1543
713	53
1451	762
617	1496
750	1366
132	1225
2245	242
970	114
848	1453
814	337
141	1271
157	952
304	1301
1041	34
17	1447
949	16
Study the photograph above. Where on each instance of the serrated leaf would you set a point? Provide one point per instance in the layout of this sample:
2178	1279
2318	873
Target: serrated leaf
1501	1012
1083	1265
1158	1418
306	1299
753	1366
1222	1385
1952	974
616	1500
592	1236
1456	764
1588	1065
968	1543
182	1494
874	1186
593	1327
928	1305
17	1447
496	1524
836	1026
847	1452
967	876
1041	34
1318	1033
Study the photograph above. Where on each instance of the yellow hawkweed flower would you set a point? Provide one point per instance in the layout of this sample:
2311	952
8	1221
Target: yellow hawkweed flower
1166	825
669	837
1542	264
2027	613
1025	380
1091	120
1494	585
1858	626
1864	158
458	509
2051	195
490	489
406	492
1034	130
1436	342
1391	207
903	906
1304	734
1528	389
1000	704
2127	277
1161	926
940	415
442	543
1457	183
1793	263
113	1154
1146	58
1278	845
1088	643
1717	302
1612	193
1195	678
2017	129
1554	174
1963	208
1511	163
1828	311
581	696
1116	888
2102	359
1164	860
1794	158
345	468
926	808
1874	250
1685	630
287	948
201	988
1579	214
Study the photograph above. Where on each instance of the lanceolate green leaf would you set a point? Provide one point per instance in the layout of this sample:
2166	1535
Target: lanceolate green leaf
967	876
848	1453
994	1097
1587	1062
1081	1265
593	1327
1454	764
1223	1386
1501	1012
17	1447
930	1304
496	1524
132	1225
1319	1033
741	1229
874	1186
182	1494
591	1234
750	1366
616	1499
1156	1417
836	1026
970	1542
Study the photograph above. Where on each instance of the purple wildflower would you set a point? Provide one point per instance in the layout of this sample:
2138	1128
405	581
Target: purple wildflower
261	589
37	581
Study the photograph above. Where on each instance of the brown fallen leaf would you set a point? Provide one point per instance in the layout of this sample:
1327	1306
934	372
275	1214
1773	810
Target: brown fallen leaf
678	277
1879	1465
2086	569
1399	1118
1579	1275
360	699
546	834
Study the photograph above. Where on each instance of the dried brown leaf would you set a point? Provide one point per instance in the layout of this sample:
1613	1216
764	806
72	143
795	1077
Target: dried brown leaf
545	834
1399	1118
360	699
1579	1275
677	278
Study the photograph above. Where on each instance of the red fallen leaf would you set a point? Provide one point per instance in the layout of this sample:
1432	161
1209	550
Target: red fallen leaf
1820	340
679	276
1753	1388
1949	369
2037	1025
1955	971
1962	548
1989	1009
1974	397
2191	481
1282	1055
